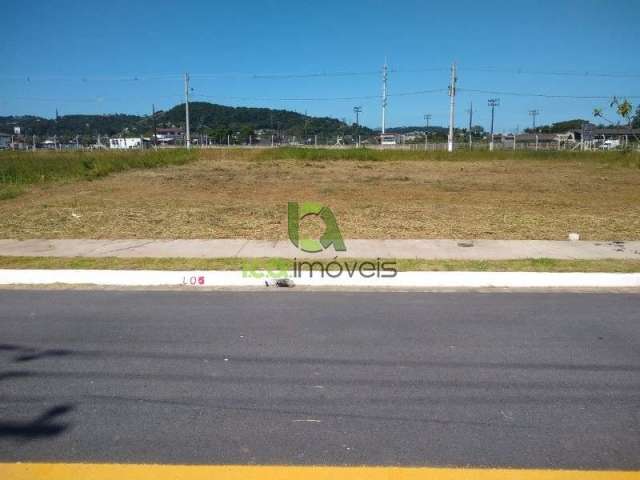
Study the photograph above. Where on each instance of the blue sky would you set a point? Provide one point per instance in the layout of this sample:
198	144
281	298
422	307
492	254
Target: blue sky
122	56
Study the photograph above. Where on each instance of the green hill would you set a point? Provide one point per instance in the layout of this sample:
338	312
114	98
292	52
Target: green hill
205	118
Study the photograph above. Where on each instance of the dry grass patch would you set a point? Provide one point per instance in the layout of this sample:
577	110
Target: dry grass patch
242	194
281	264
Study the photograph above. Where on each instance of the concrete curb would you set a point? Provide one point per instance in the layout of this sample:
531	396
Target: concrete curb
152	278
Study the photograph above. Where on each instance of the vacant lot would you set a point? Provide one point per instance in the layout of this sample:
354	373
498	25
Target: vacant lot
244	194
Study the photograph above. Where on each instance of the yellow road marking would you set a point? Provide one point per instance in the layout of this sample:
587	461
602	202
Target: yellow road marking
88	471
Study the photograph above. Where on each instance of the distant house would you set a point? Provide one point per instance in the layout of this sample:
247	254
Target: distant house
125	143
412	136
389	139
607	133
541	139
5	140
170	136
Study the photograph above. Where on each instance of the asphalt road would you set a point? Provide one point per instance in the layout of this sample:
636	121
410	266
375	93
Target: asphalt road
485	379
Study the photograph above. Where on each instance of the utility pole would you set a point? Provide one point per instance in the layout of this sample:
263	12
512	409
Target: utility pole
155	130
452	105
493	103
384	95
534	114
427	117
186	109
357	111
470	111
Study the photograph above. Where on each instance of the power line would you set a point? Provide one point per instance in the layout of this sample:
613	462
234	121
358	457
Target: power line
211	76
199	76
97	99
279	76
319	99
565	73
89	78
417	92
101	99
307	75
544	95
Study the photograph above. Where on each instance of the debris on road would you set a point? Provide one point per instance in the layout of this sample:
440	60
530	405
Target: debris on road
279	282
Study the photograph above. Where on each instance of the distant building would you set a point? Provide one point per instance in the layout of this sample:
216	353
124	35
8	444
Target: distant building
541	139
170	136
591	136
412	136
602	134
125	143
389	139
5	140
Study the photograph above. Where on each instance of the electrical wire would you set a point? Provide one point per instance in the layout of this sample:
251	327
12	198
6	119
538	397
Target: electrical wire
320	99
566	73
544	95
322	74
98	99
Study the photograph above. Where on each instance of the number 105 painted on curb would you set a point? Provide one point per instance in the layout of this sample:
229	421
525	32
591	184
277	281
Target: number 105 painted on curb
193	280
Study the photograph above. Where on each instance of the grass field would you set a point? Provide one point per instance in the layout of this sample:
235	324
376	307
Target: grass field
115	263
620	158
19	169
374	194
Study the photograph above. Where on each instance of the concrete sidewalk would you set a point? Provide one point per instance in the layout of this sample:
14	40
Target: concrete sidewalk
397	249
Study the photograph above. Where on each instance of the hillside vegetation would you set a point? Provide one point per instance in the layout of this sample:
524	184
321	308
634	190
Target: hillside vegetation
205	118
